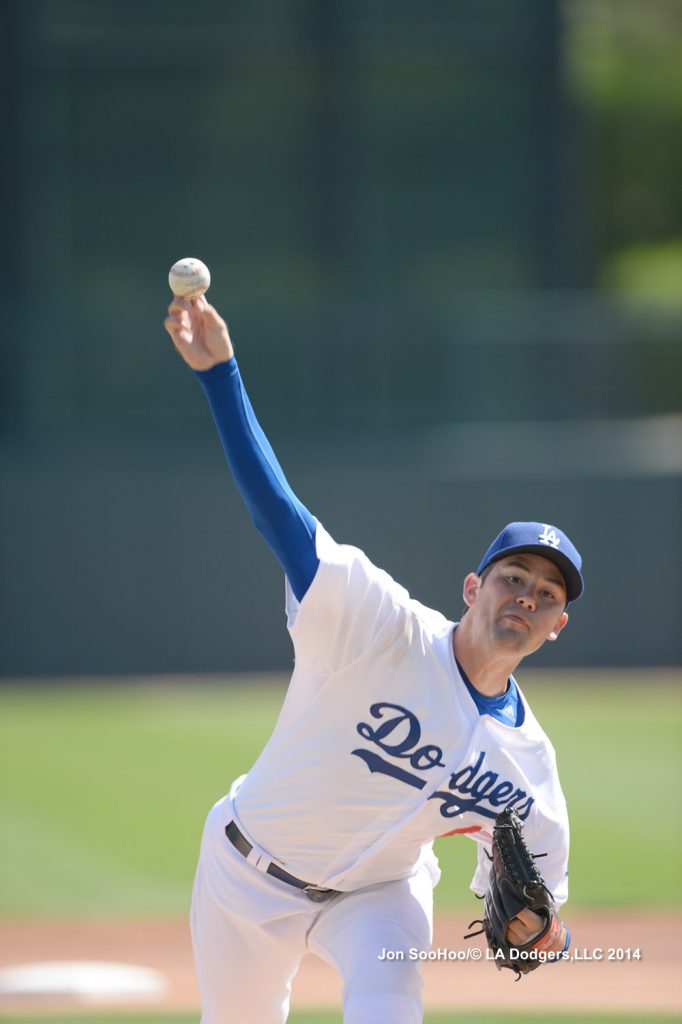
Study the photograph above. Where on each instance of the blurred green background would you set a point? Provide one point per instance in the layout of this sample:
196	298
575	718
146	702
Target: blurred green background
448	241
105	789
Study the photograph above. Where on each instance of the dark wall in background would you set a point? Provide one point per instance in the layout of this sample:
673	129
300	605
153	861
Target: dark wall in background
342	167
149	563
405	213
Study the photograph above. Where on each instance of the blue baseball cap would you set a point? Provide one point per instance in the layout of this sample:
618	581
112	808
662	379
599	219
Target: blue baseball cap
540	539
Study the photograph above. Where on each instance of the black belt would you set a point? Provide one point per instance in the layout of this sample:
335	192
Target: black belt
314	892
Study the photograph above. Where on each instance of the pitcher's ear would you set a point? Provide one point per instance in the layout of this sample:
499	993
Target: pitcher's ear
554	635
470	589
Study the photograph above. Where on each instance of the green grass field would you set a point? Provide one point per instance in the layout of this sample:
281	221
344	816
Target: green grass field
104	789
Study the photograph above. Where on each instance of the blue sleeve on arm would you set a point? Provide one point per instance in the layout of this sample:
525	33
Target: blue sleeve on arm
567	943
284	522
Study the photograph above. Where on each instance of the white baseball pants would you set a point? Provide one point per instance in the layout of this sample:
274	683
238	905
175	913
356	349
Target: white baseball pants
246	958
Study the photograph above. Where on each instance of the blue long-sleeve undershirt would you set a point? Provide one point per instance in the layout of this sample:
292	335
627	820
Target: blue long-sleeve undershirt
278	515
283	520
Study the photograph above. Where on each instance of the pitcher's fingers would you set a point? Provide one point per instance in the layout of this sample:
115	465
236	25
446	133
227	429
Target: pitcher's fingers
179	316
212	316
201	305
179	304
179	332
174	324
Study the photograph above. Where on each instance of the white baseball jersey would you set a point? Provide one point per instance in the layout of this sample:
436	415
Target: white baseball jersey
379	746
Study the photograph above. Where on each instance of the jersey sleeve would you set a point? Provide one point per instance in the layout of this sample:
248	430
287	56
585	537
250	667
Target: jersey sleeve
348	605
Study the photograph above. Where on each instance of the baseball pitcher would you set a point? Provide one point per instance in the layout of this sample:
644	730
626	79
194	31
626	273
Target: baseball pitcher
398	726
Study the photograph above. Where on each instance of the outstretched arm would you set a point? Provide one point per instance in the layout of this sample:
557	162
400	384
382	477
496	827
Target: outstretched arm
200	335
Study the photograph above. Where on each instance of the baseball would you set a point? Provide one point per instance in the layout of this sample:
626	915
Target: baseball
189	278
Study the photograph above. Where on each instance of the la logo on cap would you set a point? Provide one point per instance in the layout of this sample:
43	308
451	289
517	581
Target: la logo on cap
549	536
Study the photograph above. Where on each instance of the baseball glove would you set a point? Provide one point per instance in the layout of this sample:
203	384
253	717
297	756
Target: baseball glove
516	884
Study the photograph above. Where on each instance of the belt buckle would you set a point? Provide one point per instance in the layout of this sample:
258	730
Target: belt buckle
317	894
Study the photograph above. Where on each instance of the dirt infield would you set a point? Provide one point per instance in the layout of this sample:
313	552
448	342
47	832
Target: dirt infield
593	982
